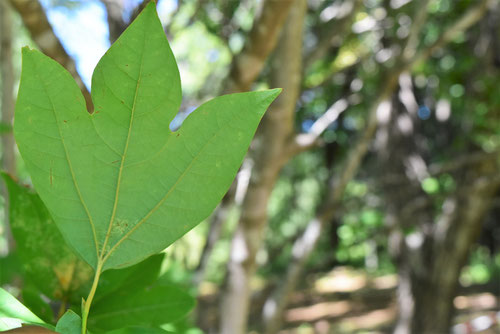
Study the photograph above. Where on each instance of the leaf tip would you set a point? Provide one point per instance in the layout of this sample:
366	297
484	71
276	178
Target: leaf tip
26	50
28	53
269	95
151	6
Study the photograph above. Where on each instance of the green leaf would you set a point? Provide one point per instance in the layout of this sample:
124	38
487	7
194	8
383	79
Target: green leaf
132	278
48	262
146	307
13	313
70	323
120	185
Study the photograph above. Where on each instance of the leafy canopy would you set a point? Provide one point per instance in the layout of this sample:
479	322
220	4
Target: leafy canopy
119	184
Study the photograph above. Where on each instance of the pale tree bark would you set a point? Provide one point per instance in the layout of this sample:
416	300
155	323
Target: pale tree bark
304	246
8	143
7	105
217	220
41	32
267	155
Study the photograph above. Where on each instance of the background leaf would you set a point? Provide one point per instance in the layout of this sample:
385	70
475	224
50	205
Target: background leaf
145	307
120	185
70	323
32	300
48	262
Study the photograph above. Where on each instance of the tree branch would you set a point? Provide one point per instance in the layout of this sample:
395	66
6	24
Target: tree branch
116	23
35	20
332	29
305	141
262	39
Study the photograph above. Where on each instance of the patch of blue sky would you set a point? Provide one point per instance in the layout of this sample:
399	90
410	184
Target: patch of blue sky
83	30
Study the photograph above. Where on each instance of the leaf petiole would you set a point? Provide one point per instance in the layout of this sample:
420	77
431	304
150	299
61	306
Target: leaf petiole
86	303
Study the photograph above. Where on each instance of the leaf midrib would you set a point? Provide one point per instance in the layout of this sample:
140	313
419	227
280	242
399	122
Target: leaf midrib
124	155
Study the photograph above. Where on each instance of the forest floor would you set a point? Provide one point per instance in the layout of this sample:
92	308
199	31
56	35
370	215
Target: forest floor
348	301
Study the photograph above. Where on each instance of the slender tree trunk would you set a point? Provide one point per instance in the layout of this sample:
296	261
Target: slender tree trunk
267	153
430	292
7	80
217	221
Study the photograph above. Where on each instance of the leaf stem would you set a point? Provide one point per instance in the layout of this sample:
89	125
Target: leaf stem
88	301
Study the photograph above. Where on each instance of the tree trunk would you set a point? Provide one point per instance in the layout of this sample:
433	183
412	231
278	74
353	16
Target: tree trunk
456	231
7	80
267	153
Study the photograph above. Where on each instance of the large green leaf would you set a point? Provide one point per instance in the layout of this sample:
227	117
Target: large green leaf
48	262
145	307
120	185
